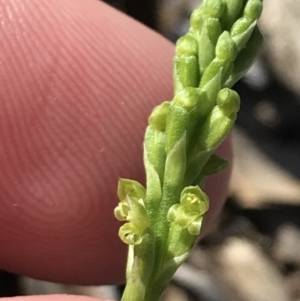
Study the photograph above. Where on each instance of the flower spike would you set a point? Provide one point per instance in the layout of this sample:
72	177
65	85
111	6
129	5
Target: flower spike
163	220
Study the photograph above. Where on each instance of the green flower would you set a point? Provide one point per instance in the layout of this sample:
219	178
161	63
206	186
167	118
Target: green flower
194	203
132	210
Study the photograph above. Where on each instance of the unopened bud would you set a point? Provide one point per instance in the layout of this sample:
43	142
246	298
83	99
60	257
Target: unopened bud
187	45
159	115
229	101
214	8
226	48
253	9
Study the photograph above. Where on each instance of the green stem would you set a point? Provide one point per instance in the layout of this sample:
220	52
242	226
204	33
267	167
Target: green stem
141	270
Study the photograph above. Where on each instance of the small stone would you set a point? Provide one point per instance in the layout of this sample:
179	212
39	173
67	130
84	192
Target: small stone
250	273
280	26
202	284
174	293
257	181
39	287
286	246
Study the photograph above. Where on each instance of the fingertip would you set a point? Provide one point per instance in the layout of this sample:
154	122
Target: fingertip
217	187
77	84
54	298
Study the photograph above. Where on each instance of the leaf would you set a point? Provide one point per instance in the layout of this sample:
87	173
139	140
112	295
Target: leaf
176	163
214	165
153	183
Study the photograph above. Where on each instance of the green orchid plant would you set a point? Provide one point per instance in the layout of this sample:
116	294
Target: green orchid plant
163	220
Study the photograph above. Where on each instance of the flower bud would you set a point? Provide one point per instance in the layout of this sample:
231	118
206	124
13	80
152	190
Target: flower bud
177	123
232	10
216	127
245	58
186	72
253	9
229	101
159	115
187	98
226	48
197	19
214	8
209	34
187	46
241	32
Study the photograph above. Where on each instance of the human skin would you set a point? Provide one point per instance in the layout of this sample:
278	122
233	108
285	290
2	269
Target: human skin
78	80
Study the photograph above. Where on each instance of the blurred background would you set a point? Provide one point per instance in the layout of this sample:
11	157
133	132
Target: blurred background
253	253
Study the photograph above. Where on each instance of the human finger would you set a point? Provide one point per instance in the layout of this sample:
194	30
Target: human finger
78	80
